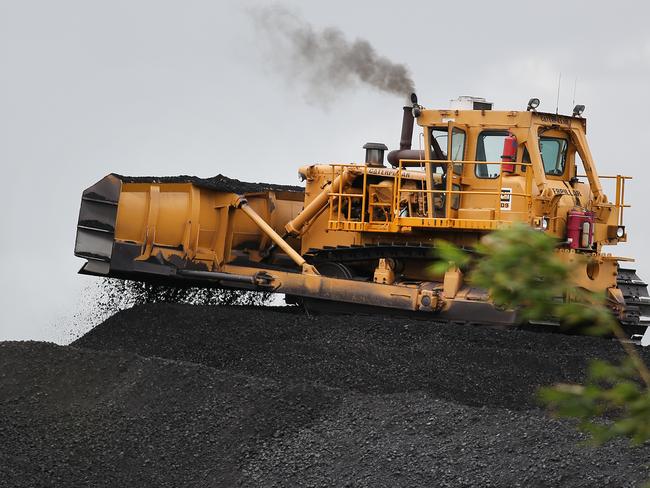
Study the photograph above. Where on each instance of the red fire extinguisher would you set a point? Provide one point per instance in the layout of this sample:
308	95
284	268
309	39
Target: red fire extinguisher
509	153
580	228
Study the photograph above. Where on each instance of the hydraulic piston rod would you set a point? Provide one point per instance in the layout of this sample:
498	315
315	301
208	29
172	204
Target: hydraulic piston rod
274	236
340	183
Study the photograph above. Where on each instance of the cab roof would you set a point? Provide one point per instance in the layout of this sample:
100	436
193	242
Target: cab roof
499	118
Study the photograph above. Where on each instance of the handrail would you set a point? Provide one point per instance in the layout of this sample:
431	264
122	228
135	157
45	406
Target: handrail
619	198
451	164
462	161
473	192
338	196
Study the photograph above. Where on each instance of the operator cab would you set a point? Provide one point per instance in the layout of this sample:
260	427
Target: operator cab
483	166
479	169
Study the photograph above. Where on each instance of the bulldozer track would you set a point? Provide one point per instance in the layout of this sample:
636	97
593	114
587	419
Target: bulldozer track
368	252
637	299
635	290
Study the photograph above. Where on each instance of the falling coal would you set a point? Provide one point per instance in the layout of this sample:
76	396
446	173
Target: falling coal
325	59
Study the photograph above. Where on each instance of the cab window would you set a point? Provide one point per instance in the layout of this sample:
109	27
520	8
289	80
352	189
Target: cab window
489	148
457	148
553	151
439	143
457	144
438	149
525	159
438	138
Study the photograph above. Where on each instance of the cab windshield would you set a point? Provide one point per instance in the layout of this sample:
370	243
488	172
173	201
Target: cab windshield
553	151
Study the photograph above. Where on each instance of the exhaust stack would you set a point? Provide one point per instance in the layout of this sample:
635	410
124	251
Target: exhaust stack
406	138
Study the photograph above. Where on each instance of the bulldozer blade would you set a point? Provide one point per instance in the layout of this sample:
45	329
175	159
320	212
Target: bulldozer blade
96	225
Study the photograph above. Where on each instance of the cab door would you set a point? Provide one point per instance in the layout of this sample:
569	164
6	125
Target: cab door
456	148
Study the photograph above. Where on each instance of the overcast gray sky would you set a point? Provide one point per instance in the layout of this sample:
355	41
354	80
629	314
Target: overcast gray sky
169	87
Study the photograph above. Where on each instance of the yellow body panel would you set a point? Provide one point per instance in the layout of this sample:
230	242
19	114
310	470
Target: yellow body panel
196	223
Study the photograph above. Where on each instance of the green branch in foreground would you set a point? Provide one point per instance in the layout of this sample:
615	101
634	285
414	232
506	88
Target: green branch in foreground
519	267
610	391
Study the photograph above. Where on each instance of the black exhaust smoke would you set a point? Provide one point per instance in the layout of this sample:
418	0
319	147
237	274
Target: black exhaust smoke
326	59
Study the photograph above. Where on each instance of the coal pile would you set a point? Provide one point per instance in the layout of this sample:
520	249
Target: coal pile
216	183
178	395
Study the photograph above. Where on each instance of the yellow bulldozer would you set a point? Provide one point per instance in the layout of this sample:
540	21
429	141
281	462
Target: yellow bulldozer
362	236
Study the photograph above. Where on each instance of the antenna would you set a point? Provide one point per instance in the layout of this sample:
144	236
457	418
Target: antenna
575	84
557	102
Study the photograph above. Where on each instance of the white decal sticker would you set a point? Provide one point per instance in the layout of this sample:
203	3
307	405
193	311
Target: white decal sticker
506	198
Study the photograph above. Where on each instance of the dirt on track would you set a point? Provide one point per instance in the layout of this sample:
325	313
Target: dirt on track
176	395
